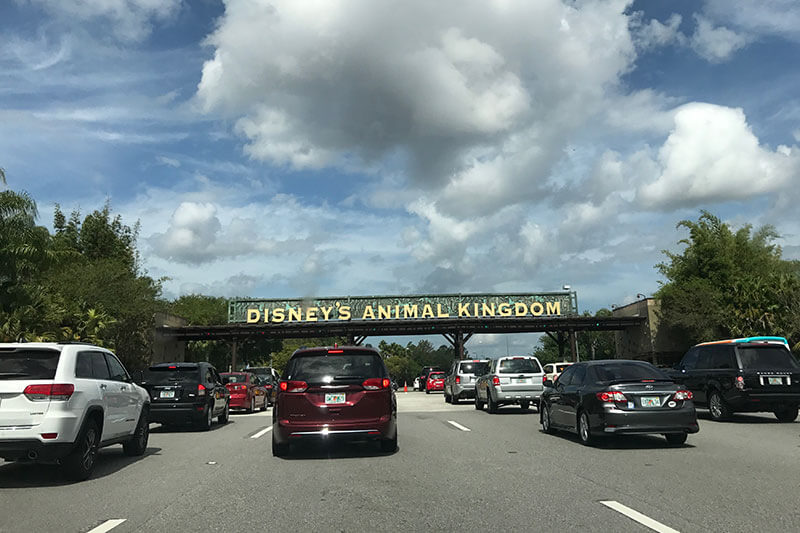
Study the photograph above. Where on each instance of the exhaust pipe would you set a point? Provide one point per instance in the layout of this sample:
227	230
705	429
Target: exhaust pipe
33	455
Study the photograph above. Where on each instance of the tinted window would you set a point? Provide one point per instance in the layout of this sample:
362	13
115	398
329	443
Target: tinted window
722	357
99	366
117	370
83	365
235	378
561	368
566	376
623	371
325	368
436	375
28	363
518	366
690	359
767	358
477	369
703	358
578	376
162	375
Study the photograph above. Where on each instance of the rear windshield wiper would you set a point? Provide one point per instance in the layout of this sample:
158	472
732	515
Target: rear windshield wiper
338	378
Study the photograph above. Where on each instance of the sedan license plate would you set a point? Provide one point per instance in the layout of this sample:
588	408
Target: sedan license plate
775	381
651	401
334	397
167	394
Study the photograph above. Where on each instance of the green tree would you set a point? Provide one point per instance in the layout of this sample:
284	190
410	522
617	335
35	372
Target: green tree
728	283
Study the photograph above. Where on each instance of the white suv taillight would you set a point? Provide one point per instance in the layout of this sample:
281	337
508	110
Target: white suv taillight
46	393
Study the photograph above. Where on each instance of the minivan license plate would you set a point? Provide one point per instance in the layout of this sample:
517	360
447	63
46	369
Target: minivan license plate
775	381
651	401
334	397
167	393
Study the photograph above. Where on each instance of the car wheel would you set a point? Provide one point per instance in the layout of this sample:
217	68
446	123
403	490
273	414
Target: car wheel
389	445
675	439
427	391
478	402
137	444
226	414
524	405
584	432
79	464
252	407
279	449
454	399
265	405
717	407
547	424
446	397
788	414
206	423
491	405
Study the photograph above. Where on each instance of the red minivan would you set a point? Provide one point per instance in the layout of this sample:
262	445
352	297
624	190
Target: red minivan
339	392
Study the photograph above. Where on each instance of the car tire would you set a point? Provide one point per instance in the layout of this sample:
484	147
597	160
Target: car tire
137	444
208	420
226	414
427	391
675	439
454	399
718	409
491	405
389	445
79	464
279	449
478	403
544	419
524	405
252	408
446	397
584	430
788	414
266	404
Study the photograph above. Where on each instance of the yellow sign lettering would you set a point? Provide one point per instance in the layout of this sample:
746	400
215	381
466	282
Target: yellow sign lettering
326	312
311	314
295	314
427	311
369	312
253	316
384	311
410	311
504	309
487	309
537	309
463	310
278	315
344	312
520	309
440	313
553	308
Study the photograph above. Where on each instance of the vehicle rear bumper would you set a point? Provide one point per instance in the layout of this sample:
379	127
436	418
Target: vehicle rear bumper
367	430
761	401
33	450
464	390
239	403
516	396
178	413
616	421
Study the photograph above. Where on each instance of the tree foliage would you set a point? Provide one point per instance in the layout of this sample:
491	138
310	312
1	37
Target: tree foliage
728	283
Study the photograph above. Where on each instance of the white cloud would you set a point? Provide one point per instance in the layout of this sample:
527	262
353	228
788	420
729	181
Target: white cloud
654	33
168	161
712	156
763	17
716	43
131	20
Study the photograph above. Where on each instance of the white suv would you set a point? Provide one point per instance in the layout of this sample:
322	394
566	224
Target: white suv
62	402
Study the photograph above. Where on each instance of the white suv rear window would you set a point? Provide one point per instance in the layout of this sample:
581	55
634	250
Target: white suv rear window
27	363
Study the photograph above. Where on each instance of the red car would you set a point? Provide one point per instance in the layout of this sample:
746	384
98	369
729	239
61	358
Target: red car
246	391
335	393
434	382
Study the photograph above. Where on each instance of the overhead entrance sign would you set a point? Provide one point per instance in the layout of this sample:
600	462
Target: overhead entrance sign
393	308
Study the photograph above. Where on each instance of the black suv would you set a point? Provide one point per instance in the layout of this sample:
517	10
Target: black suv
746	375
186	393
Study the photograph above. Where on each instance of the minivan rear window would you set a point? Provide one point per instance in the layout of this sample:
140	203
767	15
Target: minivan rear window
331	368
767	358
162	375
517	366
477	369
28	363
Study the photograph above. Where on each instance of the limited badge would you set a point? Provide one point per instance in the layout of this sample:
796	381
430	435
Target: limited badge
672	403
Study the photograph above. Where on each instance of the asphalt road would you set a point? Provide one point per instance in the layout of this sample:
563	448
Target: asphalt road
503	474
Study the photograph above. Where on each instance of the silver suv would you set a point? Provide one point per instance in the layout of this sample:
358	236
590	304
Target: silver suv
61	402
460	380
510	380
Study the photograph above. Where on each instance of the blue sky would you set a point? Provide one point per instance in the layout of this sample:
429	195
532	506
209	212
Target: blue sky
293	148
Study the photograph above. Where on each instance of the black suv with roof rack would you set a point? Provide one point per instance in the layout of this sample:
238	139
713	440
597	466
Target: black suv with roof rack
753	374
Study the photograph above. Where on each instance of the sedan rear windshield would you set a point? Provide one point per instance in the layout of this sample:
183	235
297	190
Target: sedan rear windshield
518	366
332	368
28	363
477	369
162	375
627	372
436	376
767	358
235	378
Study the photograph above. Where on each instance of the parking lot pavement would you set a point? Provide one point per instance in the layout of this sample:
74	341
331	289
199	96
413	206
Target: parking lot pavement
457	468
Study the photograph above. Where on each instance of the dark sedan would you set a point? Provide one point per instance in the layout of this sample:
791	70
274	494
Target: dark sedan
613	397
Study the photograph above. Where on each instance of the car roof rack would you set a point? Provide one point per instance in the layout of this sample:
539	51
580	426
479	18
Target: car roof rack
82	343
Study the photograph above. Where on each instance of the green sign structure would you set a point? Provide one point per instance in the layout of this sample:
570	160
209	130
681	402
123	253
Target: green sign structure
382	308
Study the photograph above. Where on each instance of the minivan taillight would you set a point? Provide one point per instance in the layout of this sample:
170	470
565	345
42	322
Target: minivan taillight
201	390
293	386
55	391
376	383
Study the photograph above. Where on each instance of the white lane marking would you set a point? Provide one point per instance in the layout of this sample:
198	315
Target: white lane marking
108	525
459	426
261	433
639	517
